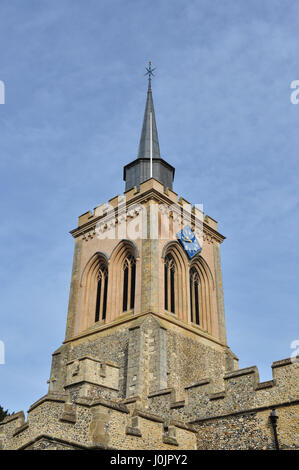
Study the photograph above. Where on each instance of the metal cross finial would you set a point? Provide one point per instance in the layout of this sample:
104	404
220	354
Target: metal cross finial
149	71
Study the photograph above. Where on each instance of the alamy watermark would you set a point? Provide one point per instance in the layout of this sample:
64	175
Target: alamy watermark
2	353
295	354
156	221
295	94
2	92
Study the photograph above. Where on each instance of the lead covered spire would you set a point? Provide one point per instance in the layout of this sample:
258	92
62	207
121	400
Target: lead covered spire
148	163
149	135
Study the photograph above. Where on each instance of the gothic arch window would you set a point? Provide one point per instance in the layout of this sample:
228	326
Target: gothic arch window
101	294
169	283
124	276
195	296
129	278
176	280
189	288
202	299
94	283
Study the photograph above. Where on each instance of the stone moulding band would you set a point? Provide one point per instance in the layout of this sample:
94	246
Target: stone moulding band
163	316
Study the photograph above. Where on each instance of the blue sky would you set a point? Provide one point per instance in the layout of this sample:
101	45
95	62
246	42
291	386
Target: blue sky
75	96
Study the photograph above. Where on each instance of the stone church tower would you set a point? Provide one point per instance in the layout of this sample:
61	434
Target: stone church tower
145	363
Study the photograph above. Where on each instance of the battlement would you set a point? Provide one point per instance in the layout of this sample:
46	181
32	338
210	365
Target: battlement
242	391
134	195
86	423
91	370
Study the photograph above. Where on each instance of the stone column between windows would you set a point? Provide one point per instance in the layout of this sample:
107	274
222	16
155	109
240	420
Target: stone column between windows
150	262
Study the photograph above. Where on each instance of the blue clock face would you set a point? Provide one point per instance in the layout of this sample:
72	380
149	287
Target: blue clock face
188	241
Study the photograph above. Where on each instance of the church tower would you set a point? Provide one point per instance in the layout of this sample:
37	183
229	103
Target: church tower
146	289
145	362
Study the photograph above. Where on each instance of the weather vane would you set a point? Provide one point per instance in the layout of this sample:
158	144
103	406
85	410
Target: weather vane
150	71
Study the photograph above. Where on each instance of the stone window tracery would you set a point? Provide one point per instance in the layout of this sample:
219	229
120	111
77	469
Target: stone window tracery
195	299
101	294
129	280
169	283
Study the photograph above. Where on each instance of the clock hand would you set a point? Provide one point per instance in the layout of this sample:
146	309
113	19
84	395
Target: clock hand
186	239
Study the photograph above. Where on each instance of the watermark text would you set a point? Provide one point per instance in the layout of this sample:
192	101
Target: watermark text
2	92
154	221
295	94
295	354
2	353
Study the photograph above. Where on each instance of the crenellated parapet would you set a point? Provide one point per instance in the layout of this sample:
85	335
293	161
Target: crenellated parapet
109	216
242	392
91	370
56	423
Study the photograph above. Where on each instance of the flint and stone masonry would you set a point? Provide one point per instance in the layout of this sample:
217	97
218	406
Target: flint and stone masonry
142	375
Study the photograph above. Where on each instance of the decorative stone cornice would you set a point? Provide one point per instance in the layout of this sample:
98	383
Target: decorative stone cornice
108	219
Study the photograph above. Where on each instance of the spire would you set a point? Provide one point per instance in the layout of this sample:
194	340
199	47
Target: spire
149	163
149	120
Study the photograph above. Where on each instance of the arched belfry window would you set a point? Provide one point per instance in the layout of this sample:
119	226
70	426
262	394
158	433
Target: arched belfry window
129	268
101	294
195	293
124	278
169	283
95	287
